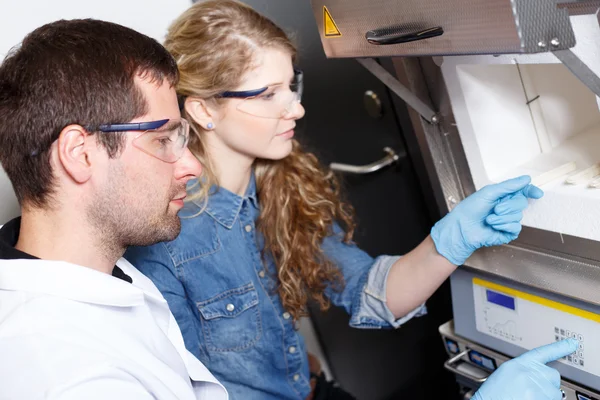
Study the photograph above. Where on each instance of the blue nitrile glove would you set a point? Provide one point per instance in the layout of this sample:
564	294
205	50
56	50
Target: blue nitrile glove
527	377
489	217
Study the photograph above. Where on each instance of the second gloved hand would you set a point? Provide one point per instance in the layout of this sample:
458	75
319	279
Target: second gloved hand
489	217
527	377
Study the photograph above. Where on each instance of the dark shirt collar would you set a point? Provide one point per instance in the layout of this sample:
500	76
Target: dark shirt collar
9	234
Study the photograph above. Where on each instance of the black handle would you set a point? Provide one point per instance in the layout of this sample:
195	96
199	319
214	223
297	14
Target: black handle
397	35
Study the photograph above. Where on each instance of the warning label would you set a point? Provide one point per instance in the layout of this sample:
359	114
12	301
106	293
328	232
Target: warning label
329	26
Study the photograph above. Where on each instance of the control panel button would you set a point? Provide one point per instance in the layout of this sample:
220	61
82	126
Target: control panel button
581	396
482	360
452	346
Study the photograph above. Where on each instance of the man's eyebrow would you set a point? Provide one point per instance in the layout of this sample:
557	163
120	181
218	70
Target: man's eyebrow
169	126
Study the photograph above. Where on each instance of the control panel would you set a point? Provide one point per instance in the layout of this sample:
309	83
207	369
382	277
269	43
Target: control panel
530	321
478	362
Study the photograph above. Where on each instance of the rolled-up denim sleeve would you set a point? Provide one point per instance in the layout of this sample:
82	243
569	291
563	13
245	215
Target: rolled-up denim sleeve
364	293
373	302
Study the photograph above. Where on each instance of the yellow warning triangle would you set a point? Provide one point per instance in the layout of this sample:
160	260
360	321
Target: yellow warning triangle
330	28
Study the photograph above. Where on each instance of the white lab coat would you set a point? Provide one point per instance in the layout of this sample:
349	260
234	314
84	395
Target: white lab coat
70	333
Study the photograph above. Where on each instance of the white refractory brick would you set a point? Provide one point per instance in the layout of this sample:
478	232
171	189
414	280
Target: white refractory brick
572	209
555	173
584	176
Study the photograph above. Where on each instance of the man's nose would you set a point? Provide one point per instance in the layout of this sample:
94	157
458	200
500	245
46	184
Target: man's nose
188	166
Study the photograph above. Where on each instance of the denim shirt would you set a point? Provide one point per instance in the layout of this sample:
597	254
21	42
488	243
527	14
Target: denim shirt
224	296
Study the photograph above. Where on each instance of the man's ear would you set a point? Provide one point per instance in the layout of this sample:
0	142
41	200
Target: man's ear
74	147
202	112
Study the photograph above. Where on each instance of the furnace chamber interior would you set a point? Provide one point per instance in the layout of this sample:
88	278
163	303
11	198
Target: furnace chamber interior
536	119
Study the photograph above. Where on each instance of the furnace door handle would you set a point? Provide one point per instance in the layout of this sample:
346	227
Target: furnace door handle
450	366
389	159
396	35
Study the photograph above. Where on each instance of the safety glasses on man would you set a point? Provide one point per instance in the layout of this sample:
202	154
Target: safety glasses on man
165	139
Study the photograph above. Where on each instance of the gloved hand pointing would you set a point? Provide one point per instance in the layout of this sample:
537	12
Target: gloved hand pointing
489	217
527	377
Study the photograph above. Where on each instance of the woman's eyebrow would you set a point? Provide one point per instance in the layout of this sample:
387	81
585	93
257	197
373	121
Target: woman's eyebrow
279	83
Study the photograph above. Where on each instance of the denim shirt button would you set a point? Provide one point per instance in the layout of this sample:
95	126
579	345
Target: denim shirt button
248	228
296	377
286	315
230	307
292	349
262	273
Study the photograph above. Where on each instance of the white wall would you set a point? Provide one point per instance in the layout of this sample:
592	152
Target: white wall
18	17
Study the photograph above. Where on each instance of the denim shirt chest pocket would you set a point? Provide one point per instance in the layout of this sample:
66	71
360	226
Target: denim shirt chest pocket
225	297
231	320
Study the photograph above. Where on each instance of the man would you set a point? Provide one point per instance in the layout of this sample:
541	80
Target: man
93	143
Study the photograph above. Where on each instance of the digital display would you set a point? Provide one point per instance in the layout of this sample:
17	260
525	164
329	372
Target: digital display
500	299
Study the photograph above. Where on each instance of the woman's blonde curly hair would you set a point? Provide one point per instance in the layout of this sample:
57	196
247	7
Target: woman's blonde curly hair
214	43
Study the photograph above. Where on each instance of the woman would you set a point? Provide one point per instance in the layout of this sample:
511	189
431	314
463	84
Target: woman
265	230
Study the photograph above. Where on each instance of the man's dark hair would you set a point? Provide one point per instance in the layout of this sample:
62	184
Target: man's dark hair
71	72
